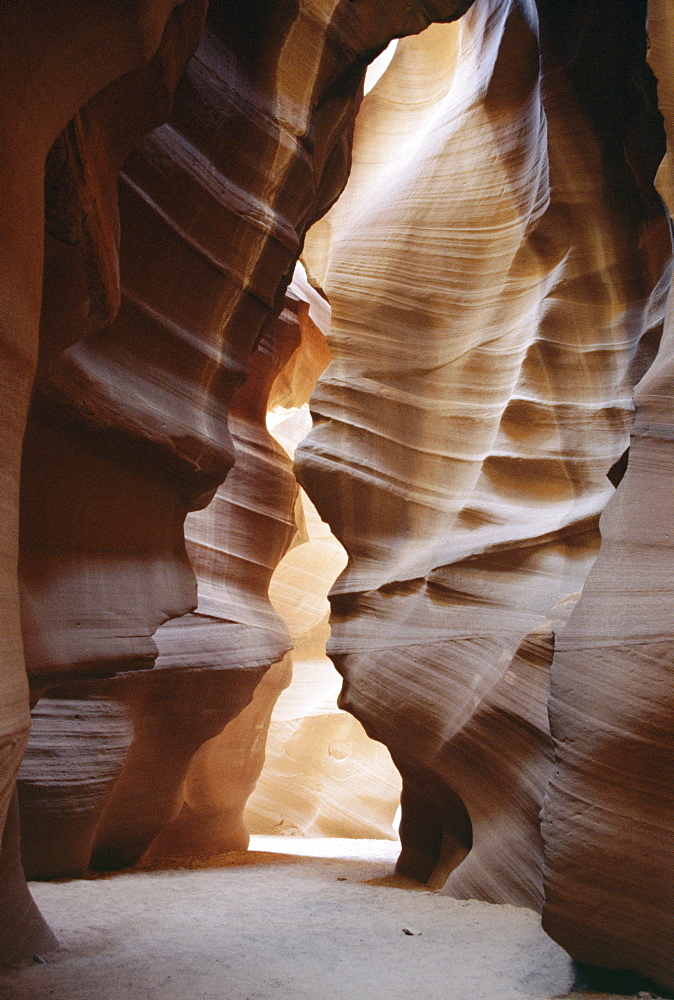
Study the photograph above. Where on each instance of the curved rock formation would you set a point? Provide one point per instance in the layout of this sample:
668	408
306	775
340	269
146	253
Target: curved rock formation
498	269
42	88
95	548
131	425
609	818
209	663
465	426
223	651
110	810
56	58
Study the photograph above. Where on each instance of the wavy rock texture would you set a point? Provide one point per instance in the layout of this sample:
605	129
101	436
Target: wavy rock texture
102	558
130	426
56	58
496	269
322	776
209	664
193	730
609	812
235	545
42	87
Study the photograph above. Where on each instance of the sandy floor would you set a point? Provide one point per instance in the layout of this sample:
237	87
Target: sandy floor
276	926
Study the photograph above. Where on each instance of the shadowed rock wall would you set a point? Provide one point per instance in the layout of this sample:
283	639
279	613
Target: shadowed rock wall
114	69
608	821
128	428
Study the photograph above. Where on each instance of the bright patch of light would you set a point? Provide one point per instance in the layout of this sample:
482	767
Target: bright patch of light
376	69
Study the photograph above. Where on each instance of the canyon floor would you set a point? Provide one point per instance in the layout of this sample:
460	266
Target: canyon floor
290	920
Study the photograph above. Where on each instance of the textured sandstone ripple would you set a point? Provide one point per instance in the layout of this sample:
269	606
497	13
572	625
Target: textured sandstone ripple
498	269
608	821
138	417
497	279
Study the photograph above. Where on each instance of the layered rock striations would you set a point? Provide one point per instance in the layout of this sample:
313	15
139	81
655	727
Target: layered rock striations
56	57
60	61
497	268
235	545
101	527
208	666
129	423
608	821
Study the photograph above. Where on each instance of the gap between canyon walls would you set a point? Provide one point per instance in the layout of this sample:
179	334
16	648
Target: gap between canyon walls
322	776
498	267
156	768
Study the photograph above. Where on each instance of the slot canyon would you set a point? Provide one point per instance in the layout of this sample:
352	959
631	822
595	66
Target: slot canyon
310	365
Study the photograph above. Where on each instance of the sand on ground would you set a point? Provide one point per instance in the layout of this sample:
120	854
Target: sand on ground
271	925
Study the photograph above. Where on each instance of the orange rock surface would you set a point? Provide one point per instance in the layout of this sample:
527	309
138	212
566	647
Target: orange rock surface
608	821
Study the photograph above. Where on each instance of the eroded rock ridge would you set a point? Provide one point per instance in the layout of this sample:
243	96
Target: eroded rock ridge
491	442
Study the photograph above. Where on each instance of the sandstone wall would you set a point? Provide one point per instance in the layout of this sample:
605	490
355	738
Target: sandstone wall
128	428
608	819
497	268
59	61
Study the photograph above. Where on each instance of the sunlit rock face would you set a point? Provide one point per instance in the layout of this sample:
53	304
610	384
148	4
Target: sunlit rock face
608	821
322	775
496	268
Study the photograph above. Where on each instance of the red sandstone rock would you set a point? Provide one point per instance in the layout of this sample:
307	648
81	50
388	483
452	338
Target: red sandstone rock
56	57
84	48
486	341
214	207
209	664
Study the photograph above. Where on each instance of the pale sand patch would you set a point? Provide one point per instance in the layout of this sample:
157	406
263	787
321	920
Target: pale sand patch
271	925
